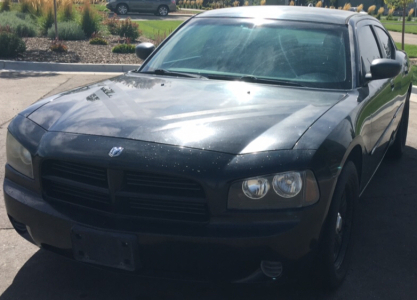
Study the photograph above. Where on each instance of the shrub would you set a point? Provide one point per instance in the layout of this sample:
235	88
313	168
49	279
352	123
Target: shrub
47	20
89	21
371	9
98	41
11	45
113	25
5	6
25	6
128	29
410	15
20	24
58	46
124	48
347	6
65	12
319	4
159	37
67	31
380	12
360	8
6	29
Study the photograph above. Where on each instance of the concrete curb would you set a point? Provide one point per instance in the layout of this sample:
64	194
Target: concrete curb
414	89
64	67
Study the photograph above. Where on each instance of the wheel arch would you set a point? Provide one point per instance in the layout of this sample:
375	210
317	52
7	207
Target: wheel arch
122	3
162	6
356	157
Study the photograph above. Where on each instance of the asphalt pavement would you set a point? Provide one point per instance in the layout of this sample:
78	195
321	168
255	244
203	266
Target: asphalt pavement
409	38
384	262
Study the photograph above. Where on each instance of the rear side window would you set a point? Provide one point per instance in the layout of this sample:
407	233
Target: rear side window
387	46
368	47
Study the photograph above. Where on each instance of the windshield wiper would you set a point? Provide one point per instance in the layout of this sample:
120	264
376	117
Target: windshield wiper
172	73
249	78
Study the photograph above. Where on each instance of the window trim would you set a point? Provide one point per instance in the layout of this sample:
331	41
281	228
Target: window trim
369	24
394	47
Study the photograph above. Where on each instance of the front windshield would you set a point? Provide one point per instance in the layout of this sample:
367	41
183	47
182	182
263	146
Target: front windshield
307	54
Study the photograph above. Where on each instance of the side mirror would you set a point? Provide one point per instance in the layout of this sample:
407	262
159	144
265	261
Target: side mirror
143	50
383	68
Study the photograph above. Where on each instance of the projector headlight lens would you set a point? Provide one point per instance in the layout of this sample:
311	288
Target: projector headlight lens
287	185
255	188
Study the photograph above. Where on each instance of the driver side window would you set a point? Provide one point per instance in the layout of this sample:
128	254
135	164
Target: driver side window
388	47
368	48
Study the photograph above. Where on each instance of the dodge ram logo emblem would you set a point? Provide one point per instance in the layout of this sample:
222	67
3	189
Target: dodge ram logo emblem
115	151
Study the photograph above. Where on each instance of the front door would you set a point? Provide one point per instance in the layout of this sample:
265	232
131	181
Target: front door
379	97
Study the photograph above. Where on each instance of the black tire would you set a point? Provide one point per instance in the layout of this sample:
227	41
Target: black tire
163	11
122	9
396	150
336	242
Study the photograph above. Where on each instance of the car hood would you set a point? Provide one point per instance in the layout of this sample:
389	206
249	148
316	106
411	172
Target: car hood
226	116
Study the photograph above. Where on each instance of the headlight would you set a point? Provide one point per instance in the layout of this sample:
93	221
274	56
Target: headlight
289	190
18	157
255	188
287	185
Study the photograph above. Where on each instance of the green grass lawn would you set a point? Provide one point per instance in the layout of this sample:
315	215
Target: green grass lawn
414	71
410	49
384	21
398	28
192	12
150	28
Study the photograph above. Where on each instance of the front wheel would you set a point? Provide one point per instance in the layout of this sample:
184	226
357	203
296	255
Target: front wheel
122	9
336	244
162	11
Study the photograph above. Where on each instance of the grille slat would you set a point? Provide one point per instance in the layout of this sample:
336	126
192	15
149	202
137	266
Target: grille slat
79	193
145	208
89	174
162	185
164	209
141	194
165	206
166	185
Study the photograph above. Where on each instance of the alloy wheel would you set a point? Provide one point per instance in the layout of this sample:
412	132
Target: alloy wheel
163	11
122	9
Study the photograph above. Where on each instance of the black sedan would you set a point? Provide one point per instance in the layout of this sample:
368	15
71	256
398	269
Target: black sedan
236	152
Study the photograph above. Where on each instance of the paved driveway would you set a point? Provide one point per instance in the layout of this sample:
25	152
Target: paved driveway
409	38
385	253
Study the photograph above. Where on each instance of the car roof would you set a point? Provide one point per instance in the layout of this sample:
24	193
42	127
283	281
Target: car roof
292	13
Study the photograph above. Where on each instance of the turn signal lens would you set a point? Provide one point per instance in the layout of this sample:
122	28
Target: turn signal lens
255	188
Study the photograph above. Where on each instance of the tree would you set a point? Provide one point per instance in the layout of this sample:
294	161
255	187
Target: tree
397	4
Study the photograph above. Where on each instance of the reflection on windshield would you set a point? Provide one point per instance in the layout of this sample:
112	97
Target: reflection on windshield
310	54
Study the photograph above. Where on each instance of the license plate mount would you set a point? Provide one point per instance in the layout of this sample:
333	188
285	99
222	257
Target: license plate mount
116	250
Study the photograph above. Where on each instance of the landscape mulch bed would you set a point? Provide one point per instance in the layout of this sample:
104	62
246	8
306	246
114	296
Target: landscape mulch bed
37	49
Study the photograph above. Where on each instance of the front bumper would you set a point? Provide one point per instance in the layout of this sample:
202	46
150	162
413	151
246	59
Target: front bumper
213	252
172	7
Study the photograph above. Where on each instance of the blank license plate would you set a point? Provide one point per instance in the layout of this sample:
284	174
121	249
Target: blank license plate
104	248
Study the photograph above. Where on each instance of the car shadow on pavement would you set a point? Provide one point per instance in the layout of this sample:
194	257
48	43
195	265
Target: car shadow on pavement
384	264
25	74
